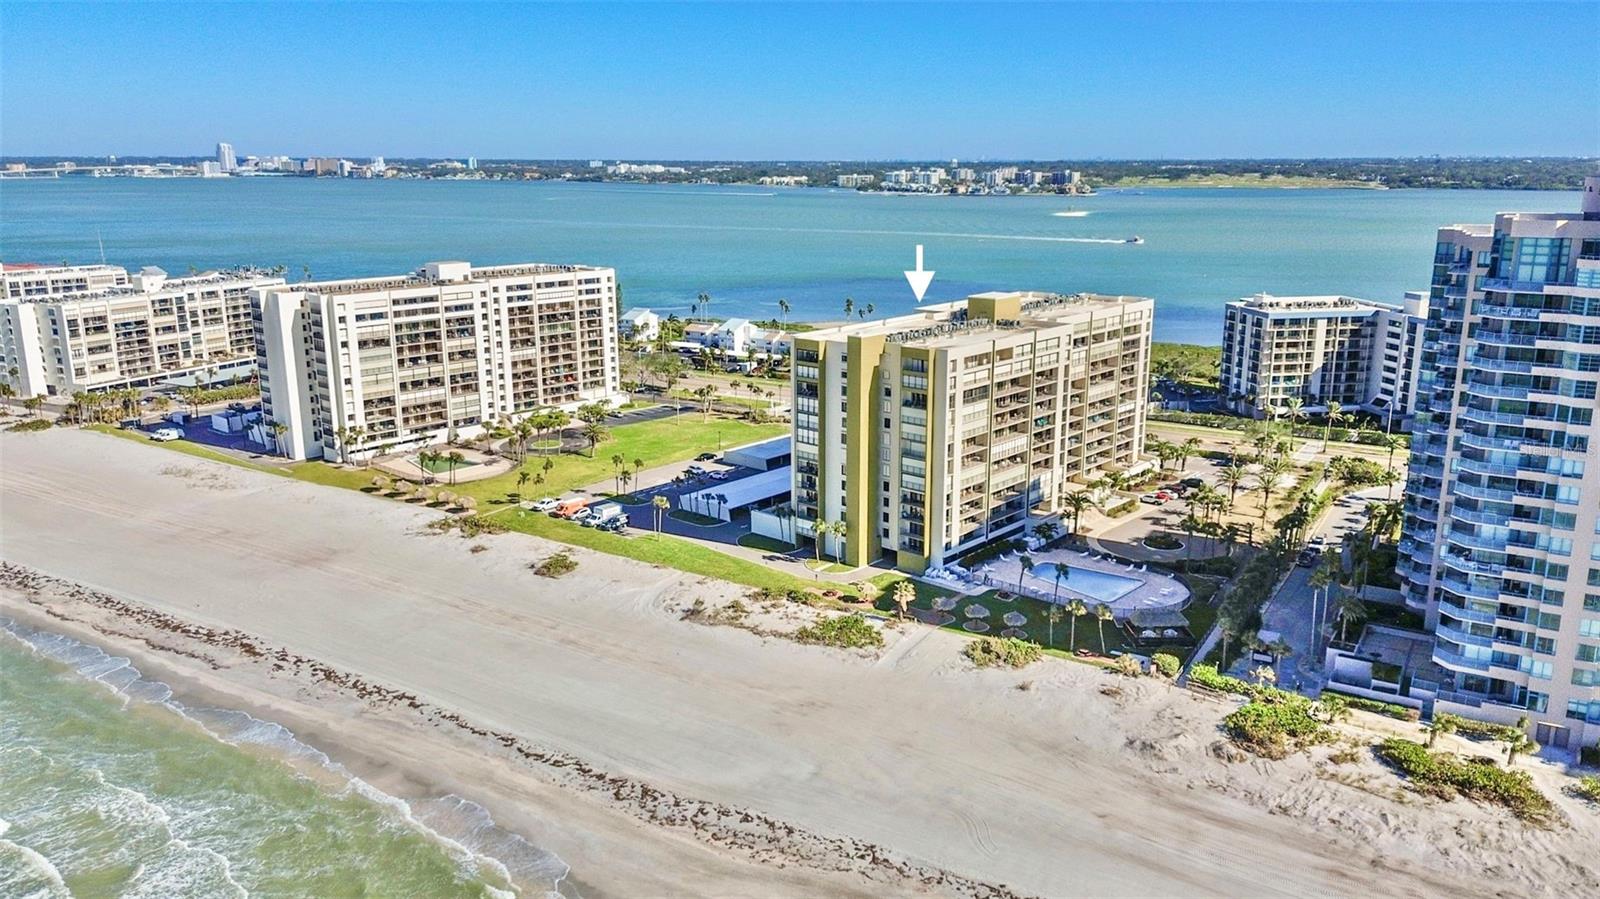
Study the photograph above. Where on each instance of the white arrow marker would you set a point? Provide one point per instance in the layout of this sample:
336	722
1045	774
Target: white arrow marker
919	279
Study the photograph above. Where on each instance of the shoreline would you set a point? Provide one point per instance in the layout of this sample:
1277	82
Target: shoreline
404	747
1060	779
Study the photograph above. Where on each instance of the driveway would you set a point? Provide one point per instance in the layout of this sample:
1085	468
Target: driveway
1290	611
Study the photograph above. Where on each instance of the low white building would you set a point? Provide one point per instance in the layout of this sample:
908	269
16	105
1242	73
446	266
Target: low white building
775	343
735	335
640	324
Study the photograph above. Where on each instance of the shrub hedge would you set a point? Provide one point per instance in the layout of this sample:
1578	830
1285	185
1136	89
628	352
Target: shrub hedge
843	631
1446	776
1008	651
1276	726
1590	755
1392	710
1168	665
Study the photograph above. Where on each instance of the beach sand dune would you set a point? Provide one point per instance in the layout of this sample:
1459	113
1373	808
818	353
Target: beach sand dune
945	780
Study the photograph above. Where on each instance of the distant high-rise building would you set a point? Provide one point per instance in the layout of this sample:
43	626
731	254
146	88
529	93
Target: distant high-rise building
226	159
472	163
1500	546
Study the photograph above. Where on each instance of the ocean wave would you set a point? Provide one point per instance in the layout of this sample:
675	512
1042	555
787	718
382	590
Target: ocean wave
1072	214
465	830
34	878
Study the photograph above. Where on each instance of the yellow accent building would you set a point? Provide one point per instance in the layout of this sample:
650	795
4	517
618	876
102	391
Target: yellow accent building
929	434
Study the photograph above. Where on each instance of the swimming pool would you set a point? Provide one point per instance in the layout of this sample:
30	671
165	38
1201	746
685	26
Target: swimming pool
1097	584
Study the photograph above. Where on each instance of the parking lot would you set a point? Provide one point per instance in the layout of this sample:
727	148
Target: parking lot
658	481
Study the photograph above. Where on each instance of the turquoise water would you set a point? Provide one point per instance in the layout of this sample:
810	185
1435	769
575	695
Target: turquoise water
749	246
109	788
1097	584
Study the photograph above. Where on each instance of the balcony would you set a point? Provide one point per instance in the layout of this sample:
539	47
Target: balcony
1505	391
1494	519
1459	635
1477	541
1457	661
1462	613
1483	416
1478	441
1484	493
1490	364
1468	566
1487	469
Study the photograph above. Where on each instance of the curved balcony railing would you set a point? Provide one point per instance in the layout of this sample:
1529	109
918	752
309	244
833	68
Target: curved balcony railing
1492	364
1501	310
1480	467
1483	416
1475	591
1506	391
1461	636
1478	441
1477	541
1456	660
1503	338
1470	566
1485	493
1475	516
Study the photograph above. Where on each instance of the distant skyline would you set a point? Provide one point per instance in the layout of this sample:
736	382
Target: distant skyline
752	81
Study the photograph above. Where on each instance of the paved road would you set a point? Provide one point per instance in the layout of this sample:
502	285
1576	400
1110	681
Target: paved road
1290	611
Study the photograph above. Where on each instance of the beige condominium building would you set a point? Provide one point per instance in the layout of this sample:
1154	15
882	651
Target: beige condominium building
1322	349
1500	546
929	434
68	329
414	359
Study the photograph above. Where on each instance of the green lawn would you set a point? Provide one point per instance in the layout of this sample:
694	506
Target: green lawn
765	543
661	549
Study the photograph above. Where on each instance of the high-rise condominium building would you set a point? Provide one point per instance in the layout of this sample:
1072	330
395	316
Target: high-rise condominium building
93	327
413	359
1499	545
1322	349
226	159
929	434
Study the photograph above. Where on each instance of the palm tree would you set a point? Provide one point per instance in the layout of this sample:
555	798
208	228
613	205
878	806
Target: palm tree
1265	675
840	530
660	505
1062	573
595	433
1077	610
1323	578
1102	614
1185	450
1383	519
33	404
1335	415
1045	531
1393	442
279	429
819	533
1053	615
455	459
904	595
358	435
1519	743
1294	409
849	306
342	435
1272	470
1351	608
1077	502
616	469
784	307
1233	476
523	477
1027	566
705	395
1442	724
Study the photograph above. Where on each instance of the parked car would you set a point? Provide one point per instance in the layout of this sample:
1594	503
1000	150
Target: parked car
162	435
695	471
1154	499
1193	483
1307	558
583	516
706	457
718	476
1166	496
568	508
544	505
613	525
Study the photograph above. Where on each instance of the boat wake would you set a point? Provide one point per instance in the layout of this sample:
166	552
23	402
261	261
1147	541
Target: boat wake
1071	214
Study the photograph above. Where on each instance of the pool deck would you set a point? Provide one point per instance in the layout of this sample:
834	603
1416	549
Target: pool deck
1156	590
483	465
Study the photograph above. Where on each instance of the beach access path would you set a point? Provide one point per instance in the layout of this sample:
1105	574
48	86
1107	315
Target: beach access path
1058	789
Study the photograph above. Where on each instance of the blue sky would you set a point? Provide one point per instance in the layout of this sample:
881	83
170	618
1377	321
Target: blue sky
757	81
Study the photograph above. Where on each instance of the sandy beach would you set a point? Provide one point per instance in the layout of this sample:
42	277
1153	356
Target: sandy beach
663	757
